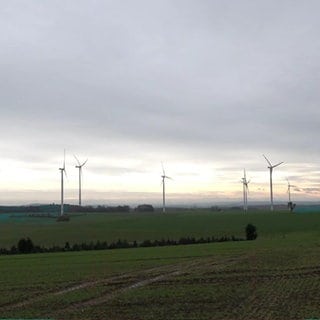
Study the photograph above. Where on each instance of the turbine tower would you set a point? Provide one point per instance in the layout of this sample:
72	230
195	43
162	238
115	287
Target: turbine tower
245	183
271	167
79	166
63	171
164	177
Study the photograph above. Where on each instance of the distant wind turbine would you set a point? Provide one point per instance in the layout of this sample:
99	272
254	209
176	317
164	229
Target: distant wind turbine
79	166
63	171
289	189
245	183
271	167
291	205
164	177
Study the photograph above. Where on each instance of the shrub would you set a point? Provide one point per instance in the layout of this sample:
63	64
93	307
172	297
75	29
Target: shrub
251	232
25	245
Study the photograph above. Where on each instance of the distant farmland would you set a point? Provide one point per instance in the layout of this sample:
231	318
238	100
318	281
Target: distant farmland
274	277
153	226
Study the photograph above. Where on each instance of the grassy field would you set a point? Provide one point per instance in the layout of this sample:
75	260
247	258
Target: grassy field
275	277
131	226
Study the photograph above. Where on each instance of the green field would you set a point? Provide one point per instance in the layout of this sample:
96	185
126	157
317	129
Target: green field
153	226
275	277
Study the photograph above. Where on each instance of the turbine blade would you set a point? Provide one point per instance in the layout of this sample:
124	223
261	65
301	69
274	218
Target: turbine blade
278	164
84	163
77	159
64	159
164	173
267	160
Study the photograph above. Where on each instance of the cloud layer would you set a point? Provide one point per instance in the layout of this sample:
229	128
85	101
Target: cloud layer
206	86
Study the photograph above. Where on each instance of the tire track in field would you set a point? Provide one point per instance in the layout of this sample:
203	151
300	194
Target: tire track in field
149	276
79	286
177	270
83	285
40	296
111	295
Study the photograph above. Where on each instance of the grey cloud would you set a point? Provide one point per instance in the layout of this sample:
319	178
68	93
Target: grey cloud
311	190
204	80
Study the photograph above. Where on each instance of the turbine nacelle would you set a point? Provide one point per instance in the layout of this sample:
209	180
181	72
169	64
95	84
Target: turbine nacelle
270	165
244	180
64	163
79	166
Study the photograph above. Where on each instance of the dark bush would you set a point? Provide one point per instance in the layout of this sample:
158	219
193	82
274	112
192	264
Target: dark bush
146	243
67	246
251	232
25	245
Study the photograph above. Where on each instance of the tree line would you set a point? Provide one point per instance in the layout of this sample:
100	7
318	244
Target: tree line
26	245
68	208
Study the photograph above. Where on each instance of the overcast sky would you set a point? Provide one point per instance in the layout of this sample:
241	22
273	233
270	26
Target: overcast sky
207	87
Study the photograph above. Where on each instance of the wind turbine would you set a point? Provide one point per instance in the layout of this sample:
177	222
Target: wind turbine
271	167
164	177
289	189
63	171
245	183
79	166
291	205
